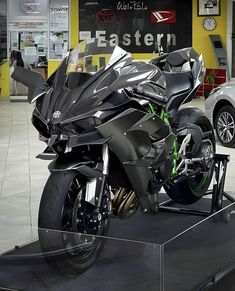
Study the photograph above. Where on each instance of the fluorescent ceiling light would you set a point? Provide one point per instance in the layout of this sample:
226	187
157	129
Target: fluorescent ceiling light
91	3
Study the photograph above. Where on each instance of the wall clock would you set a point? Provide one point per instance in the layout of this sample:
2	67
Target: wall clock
209	23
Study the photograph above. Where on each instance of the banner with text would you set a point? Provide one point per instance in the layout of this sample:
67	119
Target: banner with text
138	26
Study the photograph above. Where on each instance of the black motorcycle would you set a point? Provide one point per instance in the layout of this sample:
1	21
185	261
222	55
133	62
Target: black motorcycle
116	136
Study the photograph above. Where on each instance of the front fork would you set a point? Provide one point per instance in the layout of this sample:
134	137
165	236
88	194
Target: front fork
96	187
105	157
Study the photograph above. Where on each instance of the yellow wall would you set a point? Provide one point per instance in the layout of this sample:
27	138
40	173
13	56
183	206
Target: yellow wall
201	41
52	66
74	23
5	80
200	36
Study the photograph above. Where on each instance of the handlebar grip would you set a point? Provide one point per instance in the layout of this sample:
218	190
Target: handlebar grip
139	89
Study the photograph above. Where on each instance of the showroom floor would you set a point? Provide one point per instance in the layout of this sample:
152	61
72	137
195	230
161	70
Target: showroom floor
22	176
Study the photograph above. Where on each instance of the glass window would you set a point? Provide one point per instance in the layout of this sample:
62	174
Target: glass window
30	38
3	29
59	28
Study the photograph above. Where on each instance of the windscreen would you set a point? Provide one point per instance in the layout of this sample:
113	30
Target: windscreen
92	55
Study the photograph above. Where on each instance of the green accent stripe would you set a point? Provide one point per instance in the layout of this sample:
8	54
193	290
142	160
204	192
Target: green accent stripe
151	108
175	158
202	182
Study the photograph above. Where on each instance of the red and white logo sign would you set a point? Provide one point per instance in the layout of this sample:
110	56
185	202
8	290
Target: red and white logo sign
106	16
164	16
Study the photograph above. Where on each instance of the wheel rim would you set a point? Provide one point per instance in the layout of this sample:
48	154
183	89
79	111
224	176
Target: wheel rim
226	127
75	220
197	183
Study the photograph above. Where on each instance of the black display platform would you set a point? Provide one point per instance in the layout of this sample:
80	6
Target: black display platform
227	283
133	266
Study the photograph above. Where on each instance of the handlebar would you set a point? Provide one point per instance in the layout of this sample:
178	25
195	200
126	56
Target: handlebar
141	90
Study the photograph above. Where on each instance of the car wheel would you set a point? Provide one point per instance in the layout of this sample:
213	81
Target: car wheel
225	126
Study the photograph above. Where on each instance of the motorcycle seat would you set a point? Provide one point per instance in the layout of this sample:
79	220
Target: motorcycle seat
177	84
176	59
178	73
176	68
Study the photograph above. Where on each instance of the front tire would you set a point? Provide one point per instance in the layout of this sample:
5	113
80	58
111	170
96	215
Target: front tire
225	126
63	208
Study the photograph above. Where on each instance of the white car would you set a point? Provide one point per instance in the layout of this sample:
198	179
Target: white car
220	109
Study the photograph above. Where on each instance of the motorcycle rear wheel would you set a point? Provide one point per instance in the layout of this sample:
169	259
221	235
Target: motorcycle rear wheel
69	246
193	189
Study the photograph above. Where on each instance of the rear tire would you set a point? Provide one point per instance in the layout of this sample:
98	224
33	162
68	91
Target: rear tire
59	210
184	193
191	190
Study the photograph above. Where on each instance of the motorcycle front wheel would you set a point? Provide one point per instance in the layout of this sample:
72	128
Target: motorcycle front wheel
68	225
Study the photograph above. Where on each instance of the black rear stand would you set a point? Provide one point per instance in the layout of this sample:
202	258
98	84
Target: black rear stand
220	167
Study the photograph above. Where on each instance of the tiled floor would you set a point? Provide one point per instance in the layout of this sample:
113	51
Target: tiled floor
22	176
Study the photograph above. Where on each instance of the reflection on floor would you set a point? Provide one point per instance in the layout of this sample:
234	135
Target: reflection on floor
22	176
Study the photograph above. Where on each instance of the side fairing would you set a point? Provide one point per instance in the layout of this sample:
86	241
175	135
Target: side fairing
130	140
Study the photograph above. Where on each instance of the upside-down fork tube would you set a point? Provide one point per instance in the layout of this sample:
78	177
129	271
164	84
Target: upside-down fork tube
105	156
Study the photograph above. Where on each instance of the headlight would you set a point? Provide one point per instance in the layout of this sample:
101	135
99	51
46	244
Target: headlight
41	127
84	125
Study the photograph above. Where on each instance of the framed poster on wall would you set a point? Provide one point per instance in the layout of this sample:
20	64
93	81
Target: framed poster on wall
208	7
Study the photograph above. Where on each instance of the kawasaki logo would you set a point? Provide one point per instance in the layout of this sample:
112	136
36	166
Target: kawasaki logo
164	16
56	114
